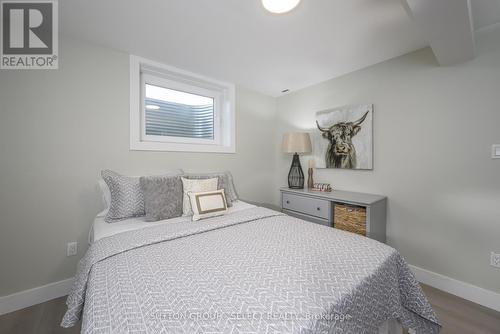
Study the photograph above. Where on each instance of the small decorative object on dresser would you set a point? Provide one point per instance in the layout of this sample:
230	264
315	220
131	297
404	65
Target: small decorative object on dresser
296	142
364	214
310	172
322	187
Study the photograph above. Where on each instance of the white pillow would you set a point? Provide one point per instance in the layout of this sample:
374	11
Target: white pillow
208	204
105	193
195	186
225	182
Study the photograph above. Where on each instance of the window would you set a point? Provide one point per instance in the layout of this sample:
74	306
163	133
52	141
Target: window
174	110
172	113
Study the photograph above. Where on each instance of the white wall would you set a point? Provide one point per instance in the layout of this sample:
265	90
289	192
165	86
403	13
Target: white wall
433	131
58	129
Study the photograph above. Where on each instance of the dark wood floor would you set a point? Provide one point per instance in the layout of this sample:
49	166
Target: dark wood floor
457	316
38	319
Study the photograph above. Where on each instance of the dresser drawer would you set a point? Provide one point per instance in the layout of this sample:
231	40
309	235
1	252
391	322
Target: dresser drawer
350	218
307	205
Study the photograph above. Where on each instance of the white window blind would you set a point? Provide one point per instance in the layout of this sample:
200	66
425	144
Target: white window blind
173	113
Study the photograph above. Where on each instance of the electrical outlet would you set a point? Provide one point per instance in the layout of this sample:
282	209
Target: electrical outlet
495	260
72	248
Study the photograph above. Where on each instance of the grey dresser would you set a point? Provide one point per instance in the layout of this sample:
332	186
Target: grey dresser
360	213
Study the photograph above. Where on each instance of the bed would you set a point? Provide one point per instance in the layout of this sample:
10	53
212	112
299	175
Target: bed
253	270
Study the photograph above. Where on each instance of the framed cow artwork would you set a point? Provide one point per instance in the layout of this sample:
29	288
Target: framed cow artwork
343	137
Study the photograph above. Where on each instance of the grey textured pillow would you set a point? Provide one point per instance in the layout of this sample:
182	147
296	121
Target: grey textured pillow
162	197
127	199
225	182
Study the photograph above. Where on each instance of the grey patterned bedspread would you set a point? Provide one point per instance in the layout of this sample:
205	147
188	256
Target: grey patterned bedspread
254	271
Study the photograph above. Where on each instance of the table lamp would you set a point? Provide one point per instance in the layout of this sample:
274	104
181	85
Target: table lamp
296	142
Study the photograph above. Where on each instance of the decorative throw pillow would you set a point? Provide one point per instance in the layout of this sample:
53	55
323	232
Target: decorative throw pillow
162	197
195	186
225	182
127	199
208	204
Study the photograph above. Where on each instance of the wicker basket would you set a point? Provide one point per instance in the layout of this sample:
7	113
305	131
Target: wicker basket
350	218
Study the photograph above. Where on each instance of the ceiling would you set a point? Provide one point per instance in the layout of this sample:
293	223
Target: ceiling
238	41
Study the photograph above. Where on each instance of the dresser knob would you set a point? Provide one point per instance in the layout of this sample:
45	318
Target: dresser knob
287	202
318	208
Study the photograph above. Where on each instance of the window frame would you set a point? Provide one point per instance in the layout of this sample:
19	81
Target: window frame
144	71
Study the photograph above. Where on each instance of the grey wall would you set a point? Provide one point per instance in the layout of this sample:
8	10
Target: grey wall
433	131
58	129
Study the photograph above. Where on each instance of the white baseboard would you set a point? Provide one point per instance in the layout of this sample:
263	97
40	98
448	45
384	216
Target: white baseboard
458	288
34	296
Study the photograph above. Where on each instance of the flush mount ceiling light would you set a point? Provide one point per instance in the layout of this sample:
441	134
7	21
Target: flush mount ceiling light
280	6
